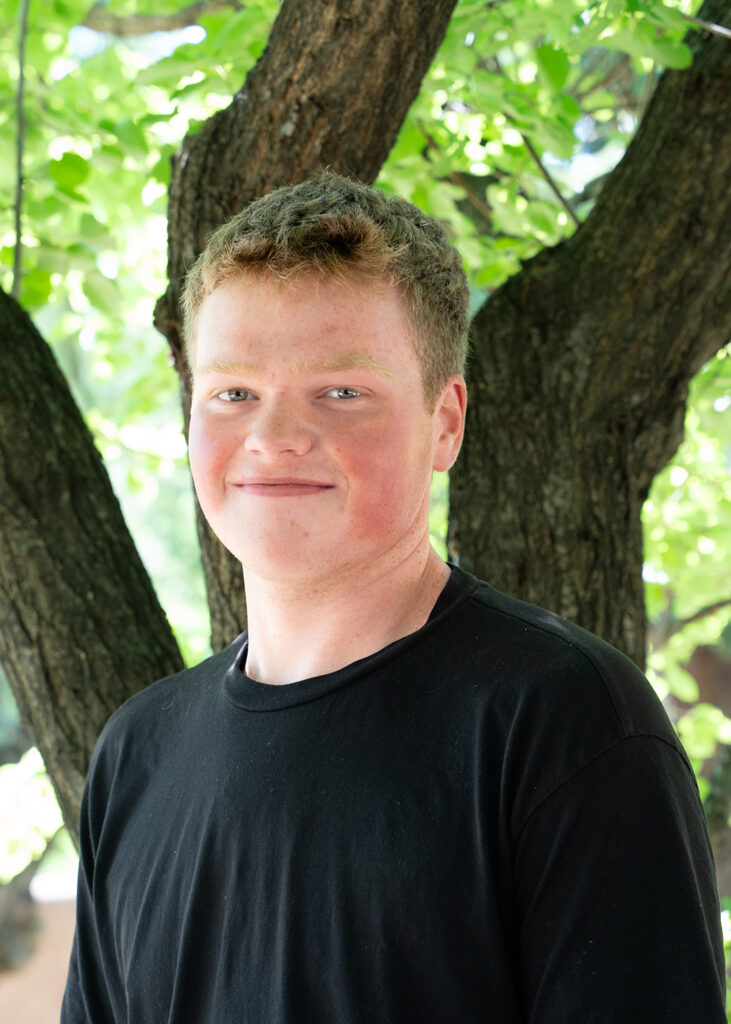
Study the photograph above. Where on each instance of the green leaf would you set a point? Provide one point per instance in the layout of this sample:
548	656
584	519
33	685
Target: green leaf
131	137
672	53
83	256
488	87
101	292
249	24
35	289
669	17
71	170
93	230
643	41
680	683
161	170
410	141
42	210
544	219
702	728
53	260
167	72
554	65
569	108
556	137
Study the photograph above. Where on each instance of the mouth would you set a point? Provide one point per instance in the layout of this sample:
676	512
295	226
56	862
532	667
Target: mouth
288	487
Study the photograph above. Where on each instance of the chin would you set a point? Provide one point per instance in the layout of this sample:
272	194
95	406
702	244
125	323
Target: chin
280	564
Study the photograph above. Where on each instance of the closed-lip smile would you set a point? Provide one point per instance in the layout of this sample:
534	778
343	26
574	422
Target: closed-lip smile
284	486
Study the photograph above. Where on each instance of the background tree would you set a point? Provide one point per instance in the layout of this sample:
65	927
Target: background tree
582	359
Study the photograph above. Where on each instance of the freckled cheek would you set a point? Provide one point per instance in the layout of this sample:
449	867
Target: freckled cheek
382	488
209	455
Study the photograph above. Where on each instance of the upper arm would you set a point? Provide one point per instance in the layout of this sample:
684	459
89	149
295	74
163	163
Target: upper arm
616	897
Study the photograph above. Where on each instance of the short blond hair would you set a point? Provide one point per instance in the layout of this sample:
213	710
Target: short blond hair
342	229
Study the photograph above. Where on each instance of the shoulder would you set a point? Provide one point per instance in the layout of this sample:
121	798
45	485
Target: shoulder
163	708
544	697
536	654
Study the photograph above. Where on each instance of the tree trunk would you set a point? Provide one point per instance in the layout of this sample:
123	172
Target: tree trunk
337	102
581	364
81	626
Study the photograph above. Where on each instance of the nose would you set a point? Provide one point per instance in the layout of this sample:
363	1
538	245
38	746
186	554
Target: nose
277	428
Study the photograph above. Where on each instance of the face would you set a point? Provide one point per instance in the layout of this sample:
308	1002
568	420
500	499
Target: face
311	445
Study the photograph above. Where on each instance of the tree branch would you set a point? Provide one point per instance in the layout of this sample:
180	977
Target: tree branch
621	69
537	160
660	633
479	204
102	20
549	178
82	629
20	145
708	26
581	363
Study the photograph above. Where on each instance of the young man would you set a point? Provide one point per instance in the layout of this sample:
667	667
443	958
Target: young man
400	796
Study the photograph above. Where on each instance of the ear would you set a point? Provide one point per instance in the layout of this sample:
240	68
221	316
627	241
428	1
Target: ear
449	419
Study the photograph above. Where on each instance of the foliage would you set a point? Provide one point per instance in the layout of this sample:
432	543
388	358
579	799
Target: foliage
526	103
687	525
29	814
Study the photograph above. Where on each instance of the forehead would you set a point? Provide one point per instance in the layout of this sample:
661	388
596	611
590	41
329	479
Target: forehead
246	285
309	317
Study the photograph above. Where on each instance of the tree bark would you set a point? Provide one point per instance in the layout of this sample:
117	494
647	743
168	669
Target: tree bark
581	364
337	102
82	629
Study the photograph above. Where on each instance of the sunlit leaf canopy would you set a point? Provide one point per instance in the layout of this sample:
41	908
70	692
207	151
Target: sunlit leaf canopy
527	106
29	814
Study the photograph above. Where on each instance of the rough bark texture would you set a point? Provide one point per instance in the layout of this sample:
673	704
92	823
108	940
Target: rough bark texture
581	365
81	626
331	90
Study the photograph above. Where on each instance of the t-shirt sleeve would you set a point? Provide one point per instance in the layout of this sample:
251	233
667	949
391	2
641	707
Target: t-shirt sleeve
616	897
87	996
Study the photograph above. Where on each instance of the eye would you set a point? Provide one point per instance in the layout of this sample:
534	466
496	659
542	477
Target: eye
235	395
343	393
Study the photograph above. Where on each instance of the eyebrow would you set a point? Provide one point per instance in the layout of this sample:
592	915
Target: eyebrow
347	363
222	366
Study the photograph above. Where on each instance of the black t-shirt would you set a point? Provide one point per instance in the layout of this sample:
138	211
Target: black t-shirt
489	820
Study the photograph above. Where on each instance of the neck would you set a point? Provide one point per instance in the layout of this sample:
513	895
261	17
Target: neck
298	630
